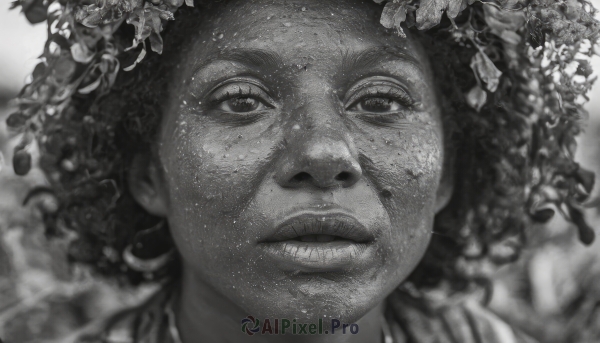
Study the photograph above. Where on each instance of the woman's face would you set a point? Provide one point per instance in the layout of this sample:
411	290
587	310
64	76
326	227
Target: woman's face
301	156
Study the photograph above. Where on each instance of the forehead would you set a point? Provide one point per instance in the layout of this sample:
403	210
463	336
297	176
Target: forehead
298	30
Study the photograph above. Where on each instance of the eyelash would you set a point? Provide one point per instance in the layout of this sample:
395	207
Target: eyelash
246	90
381	91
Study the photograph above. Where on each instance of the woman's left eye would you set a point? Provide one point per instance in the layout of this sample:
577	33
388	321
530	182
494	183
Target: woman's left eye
378	98
376	105
241	104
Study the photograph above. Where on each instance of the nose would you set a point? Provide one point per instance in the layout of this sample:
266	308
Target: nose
321	160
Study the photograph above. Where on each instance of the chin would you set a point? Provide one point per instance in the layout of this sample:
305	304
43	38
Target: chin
319	298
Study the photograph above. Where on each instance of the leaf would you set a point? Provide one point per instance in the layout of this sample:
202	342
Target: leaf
537	36
510	37
455	7
393	15
542	215
429	14
64	68
500	20
91	87
90	16
35	10
112	70
586	178
586	233
174	3
476	98
21	162
16	120
486	71
138	60
156	42
81	53
584	68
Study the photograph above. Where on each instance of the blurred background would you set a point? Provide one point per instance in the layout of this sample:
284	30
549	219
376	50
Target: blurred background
552	292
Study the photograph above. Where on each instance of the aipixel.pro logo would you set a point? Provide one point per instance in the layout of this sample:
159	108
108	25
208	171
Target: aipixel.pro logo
252	326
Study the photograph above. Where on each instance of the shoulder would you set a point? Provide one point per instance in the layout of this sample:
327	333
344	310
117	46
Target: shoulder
145	323
466	321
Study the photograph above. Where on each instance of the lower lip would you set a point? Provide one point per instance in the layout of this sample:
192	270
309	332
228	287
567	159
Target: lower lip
298	256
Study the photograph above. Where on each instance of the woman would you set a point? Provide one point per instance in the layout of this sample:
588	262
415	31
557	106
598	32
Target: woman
298	163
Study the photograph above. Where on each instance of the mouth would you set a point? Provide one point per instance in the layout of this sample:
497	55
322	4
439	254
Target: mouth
319	242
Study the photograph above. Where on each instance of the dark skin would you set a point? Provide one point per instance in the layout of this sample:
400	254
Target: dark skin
299	166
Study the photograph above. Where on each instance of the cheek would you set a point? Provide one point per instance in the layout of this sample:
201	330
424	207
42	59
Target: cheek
405	167
211	176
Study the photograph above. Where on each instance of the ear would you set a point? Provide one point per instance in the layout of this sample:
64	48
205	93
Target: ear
146	184
446	186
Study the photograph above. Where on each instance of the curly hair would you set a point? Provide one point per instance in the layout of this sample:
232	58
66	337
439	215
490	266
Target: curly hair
514	142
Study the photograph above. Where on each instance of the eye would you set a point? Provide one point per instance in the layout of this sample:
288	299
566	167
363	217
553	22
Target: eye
377	105
241	104
378	97
240	97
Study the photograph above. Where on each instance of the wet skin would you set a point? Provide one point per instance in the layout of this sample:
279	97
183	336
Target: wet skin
300	165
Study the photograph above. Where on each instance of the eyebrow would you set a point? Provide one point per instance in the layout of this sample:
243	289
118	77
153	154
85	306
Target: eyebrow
253	58
373	56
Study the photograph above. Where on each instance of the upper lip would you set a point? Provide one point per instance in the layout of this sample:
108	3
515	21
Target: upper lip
340	225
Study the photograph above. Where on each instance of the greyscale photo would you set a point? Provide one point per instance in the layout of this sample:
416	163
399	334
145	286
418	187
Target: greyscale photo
358	171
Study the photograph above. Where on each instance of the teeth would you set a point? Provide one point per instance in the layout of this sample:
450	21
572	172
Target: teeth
308	238
325	238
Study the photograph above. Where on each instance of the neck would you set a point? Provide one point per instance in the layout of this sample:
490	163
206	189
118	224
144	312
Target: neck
203	314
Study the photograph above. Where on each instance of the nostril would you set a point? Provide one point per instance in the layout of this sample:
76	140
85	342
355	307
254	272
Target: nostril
343	176
302	176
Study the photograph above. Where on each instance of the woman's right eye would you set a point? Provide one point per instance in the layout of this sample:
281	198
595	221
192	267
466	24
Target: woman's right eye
240	98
